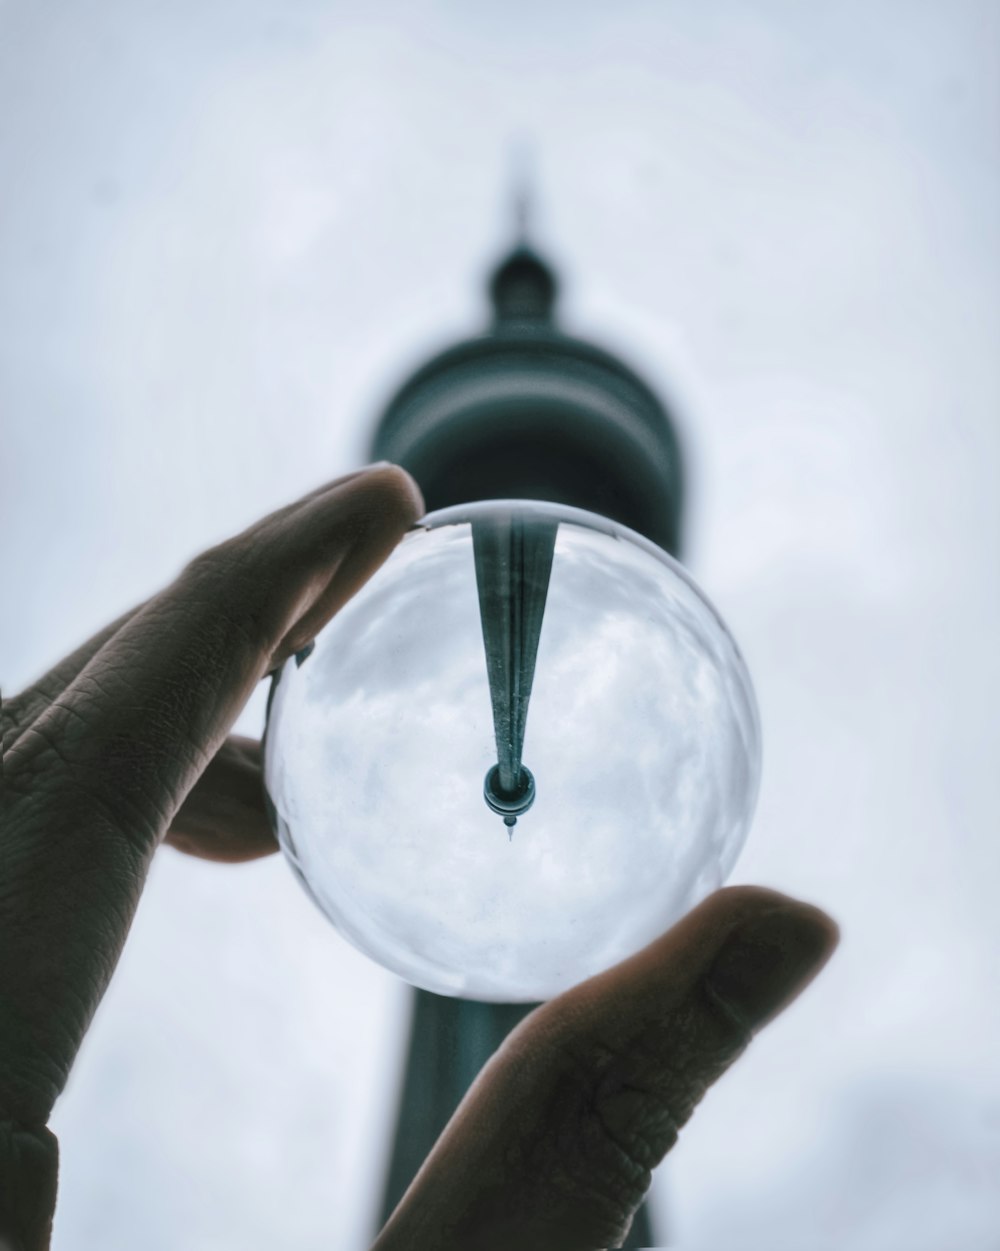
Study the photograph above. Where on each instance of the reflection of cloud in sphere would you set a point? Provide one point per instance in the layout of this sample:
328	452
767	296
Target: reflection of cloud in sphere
642	736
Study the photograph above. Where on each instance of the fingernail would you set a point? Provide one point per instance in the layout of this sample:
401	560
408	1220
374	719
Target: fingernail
767	959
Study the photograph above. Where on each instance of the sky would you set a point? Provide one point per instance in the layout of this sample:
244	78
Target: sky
227	231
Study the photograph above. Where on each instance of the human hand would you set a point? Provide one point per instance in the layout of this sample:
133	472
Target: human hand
553	1147
123	745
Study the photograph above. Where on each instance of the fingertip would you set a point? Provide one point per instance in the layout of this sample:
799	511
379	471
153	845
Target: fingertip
359	521
768	959
747	902
665	970
393	491
823	923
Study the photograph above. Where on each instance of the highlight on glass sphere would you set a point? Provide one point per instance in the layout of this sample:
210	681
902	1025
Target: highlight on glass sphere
523	750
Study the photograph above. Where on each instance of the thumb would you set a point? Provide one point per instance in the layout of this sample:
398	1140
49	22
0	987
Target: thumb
552	1149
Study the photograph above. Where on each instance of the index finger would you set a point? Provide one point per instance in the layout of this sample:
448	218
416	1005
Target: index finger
94	782
20	710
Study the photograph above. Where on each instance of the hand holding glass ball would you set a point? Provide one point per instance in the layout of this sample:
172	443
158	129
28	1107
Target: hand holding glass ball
525	749
123	745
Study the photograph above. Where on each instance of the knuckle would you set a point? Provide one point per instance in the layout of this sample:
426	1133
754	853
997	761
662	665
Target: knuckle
239	593
636	1118
227	565
593	1170
56	781
14	711
615	1112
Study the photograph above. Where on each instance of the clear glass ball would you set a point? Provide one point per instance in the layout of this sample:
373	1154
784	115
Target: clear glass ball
641	742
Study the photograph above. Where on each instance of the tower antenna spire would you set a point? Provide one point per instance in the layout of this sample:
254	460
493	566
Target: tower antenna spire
523	188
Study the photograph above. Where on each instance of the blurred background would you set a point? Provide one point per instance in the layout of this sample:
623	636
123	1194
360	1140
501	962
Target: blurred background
228	230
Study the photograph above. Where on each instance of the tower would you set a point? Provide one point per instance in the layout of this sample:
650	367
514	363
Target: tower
522	411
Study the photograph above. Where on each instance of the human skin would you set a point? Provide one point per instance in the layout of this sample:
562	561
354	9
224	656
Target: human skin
125	745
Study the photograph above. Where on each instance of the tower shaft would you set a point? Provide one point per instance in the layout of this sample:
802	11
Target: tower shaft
513	557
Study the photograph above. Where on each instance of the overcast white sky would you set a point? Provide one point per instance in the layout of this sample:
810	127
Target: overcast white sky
227	229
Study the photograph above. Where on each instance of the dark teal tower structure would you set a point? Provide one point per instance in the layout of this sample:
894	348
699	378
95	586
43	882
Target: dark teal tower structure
522	411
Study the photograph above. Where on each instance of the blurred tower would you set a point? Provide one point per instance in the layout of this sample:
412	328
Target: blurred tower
522	411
